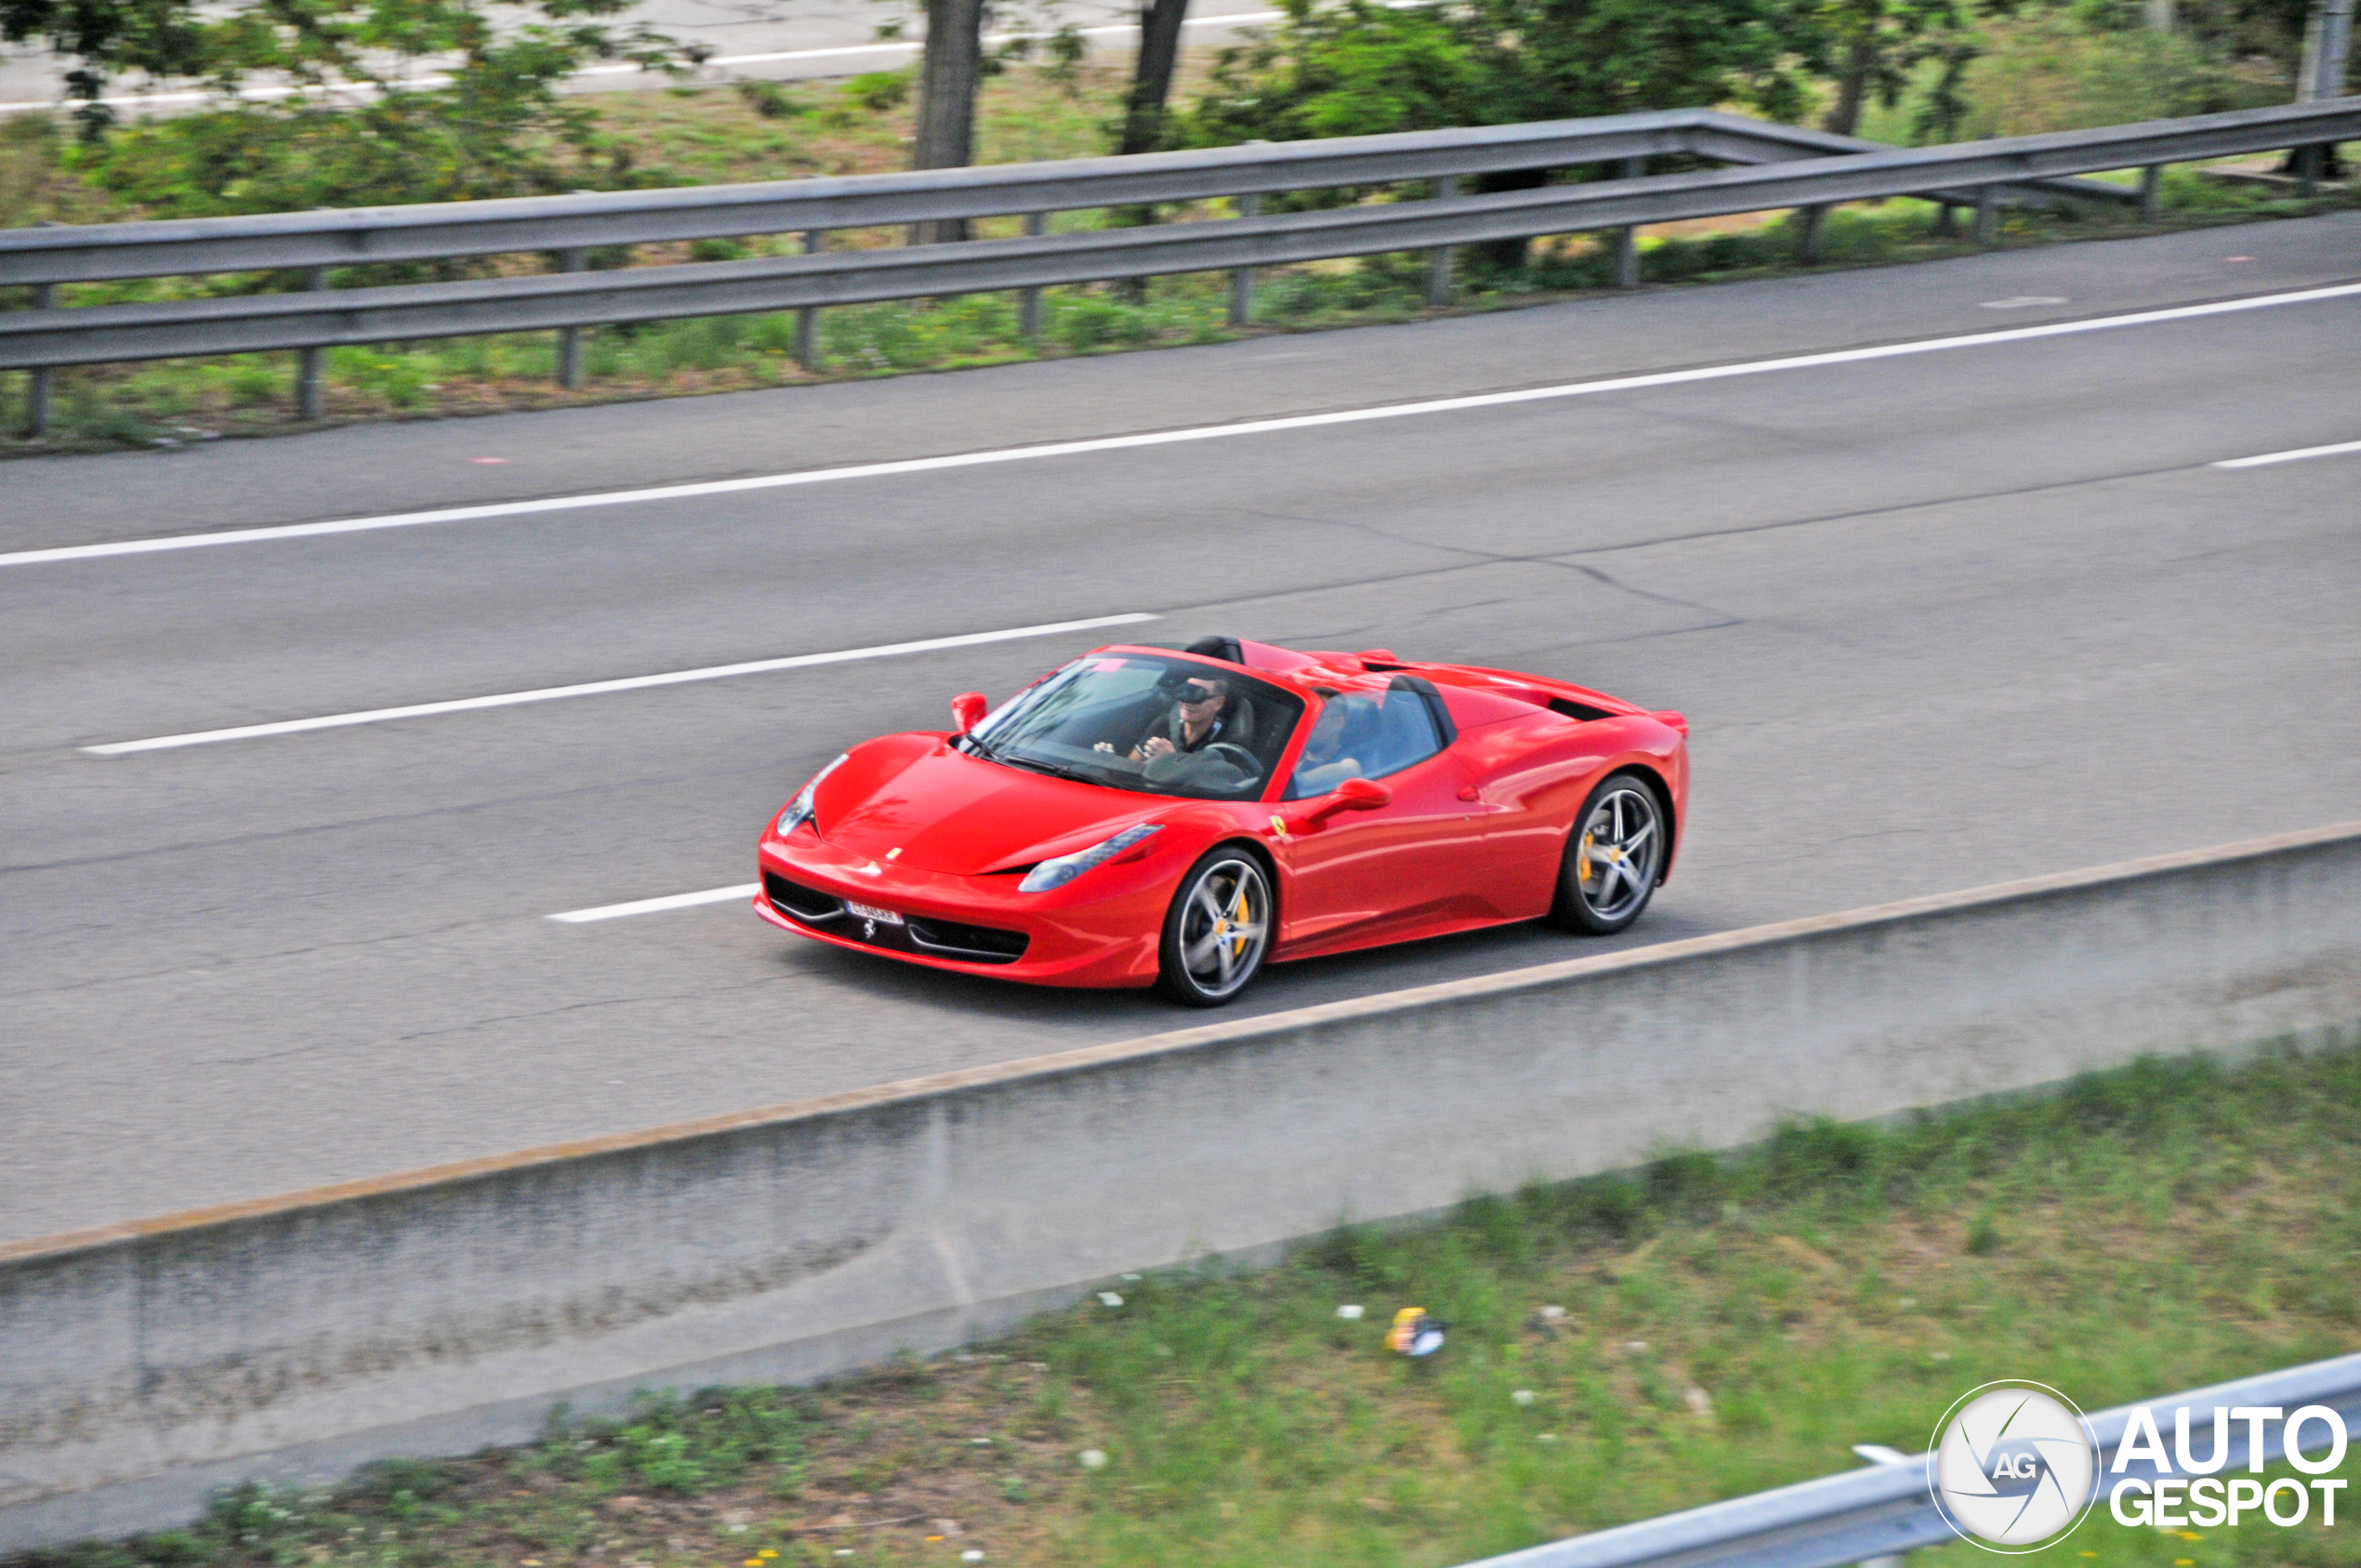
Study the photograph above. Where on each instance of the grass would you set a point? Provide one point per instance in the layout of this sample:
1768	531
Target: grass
1618	1348
764	131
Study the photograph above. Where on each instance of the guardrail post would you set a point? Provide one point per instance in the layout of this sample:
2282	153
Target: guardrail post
1816	221
807	321
1438	259
2151	193
37	383
570	338
2307	170
311	368
1627	239
1242	278
1029	309
1987	214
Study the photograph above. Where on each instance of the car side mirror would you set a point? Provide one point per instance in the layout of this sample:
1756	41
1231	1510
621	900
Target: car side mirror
967	710
1353	795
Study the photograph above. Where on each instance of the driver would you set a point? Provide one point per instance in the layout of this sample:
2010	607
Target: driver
1194	721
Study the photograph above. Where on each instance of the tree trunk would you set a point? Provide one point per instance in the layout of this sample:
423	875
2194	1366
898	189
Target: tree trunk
1507	255
1852	88
947	101
1152	77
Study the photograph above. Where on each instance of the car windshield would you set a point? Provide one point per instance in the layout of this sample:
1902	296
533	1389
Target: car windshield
1141	722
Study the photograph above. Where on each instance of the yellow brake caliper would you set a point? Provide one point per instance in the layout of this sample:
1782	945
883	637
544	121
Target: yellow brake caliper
1582	861
1238	912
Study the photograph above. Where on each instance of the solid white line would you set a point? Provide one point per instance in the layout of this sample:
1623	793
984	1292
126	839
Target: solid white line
600	688
436	79
2298	456
656	906
1192	433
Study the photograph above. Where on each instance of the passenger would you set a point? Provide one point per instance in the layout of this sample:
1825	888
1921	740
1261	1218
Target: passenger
1320	769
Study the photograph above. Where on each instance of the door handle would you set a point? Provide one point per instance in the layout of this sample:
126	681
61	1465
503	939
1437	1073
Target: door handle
1469	792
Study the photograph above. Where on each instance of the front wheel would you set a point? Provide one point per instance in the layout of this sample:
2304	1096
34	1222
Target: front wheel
1613	858
1216	931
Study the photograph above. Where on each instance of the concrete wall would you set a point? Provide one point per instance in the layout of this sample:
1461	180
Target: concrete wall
143	1364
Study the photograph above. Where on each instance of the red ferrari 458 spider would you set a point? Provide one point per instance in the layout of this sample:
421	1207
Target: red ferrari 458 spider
1153	816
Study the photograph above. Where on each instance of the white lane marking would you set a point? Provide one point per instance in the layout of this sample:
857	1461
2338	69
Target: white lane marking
362	91
1191	434
2020	302
2298	456
656	906
600	688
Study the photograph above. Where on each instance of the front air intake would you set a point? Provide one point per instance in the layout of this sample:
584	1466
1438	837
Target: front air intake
793	899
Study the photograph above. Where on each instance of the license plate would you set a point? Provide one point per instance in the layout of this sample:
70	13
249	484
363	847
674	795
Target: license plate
870	912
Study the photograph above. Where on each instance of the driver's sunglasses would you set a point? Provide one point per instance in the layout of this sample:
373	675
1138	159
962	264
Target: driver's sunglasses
1192	695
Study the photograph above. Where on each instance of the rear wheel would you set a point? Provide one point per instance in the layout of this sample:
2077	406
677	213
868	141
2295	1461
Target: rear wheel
1218	930
1613	858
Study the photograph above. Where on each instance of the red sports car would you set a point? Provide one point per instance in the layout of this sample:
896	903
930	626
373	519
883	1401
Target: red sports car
1153	816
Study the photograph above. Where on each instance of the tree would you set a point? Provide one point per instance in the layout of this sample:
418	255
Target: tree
1872	48
401	100
1363	68
947	79
1143	107
159	39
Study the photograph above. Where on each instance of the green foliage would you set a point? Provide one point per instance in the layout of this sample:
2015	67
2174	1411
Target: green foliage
878	92
671	1445
1364	67
2059	72
773	101
498	127
159	38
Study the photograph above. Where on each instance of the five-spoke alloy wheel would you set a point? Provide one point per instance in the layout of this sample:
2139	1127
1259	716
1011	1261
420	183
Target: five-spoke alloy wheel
1613	858
1218	929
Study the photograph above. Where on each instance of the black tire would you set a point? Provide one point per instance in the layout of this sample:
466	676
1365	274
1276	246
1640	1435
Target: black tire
1612	857
1226	882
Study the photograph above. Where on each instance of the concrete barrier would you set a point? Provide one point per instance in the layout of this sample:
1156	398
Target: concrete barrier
143	1364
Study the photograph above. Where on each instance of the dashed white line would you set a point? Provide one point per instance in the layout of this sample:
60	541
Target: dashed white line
2298	456
656	906
1191	434
600	688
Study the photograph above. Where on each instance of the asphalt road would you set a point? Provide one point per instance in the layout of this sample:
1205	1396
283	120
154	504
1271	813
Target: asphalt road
1937	620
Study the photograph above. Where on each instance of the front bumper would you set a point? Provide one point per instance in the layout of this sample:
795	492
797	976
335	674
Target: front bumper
1104	934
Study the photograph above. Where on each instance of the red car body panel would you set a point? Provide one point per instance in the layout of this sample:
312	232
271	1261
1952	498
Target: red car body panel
936	841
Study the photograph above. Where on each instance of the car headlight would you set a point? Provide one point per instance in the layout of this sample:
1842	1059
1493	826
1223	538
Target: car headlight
798	811
1065	868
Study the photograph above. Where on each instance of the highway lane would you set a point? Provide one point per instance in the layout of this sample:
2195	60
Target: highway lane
1938	623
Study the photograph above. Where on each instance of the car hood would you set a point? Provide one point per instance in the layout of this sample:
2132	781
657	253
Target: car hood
947	811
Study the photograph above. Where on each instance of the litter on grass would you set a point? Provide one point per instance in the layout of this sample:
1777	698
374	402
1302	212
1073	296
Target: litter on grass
1350	1311
1416	1334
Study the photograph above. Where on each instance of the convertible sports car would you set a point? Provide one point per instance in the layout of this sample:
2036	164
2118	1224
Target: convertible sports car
1151	816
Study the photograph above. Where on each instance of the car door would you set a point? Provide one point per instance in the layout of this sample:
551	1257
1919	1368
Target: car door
1391	871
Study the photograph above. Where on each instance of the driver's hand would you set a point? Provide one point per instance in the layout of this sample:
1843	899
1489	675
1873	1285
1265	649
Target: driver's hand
1157	747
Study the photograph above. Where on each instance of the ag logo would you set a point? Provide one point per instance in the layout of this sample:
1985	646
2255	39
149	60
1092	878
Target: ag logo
2012	1467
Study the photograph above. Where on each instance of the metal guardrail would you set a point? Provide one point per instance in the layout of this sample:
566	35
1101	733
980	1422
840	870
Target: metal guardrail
1886	1510
1791	168
434	231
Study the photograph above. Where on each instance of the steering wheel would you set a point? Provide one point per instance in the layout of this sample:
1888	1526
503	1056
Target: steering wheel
1236	756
